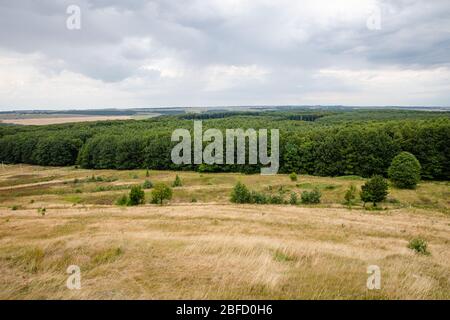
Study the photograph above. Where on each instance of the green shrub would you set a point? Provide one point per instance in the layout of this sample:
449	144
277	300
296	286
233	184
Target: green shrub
194	200
419	245
122	201
350	195
177	182
160	193
147	184
375	190
293	176
147	173
293	200
311	197
137	196
258	198
240	194
276	199
15	207
42	211
404	171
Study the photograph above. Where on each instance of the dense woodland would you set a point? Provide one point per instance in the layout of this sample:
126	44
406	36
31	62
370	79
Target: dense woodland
319	142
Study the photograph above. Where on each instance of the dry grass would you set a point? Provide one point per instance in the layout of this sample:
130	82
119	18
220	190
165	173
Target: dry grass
212	249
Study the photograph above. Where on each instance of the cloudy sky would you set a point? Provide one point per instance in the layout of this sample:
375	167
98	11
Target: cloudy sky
144	53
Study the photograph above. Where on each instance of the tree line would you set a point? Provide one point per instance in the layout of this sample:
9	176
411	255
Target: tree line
306	147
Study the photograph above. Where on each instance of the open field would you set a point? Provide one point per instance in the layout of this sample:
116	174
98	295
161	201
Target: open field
42	121
201	246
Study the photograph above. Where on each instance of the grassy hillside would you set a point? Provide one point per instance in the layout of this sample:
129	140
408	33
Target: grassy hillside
210	248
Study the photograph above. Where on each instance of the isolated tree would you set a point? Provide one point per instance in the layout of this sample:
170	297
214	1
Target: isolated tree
160	193
137	196
240	194
404	171
375	190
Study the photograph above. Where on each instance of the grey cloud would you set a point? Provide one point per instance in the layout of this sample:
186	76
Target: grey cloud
118	38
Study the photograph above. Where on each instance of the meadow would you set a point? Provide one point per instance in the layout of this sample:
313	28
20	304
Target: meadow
201	246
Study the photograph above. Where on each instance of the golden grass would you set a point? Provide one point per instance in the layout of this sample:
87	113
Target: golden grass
212	249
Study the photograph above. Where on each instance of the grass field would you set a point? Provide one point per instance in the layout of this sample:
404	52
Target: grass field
42	121
200	246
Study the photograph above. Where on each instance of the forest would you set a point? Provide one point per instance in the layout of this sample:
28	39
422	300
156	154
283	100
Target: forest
316	142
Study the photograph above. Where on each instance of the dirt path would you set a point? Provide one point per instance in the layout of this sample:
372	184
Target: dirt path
36	184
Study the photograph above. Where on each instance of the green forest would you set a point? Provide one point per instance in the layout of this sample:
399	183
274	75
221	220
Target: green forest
316	142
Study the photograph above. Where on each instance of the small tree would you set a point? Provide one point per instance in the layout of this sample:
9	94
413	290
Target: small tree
147	173
350	195
137	196
160	193
404	171
177	182
293	176
375	190
240	194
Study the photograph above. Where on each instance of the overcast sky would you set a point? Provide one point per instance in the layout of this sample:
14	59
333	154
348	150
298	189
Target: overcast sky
143	53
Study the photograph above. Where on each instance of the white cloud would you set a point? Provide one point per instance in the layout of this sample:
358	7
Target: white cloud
222	77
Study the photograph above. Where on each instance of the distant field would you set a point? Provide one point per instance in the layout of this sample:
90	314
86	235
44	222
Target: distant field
42	121
201	246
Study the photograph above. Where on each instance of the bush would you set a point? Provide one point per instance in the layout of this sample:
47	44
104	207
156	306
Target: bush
42	211
293	199
404	171
147	184
277	199
374	190
311	197
177	182
240	194
122	201
293	176
160	193
258	198
350	195
137	196
419	245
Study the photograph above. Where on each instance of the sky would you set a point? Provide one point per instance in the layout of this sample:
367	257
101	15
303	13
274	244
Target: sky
150	53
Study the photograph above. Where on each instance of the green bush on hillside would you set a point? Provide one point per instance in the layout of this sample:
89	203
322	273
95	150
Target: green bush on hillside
404	171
